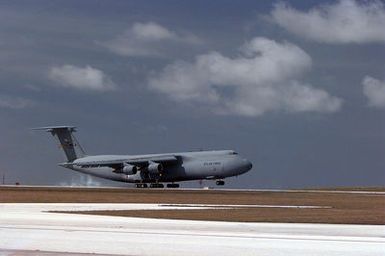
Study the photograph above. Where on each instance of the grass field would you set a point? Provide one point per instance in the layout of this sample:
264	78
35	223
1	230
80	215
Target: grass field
349	208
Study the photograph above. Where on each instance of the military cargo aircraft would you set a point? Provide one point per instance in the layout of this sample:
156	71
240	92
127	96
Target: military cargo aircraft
154	169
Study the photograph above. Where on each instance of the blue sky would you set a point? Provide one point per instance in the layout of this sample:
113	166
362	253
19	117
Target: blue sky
298	88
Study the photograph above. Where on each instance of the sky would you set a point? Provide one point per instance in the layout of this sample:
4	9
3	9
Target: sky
297	87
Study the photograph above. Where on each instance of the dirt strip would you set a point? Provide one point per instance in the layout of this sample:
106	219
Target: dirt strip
331	216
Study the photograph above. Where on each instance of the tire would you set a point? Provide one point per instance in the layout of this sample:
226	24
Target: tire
220	182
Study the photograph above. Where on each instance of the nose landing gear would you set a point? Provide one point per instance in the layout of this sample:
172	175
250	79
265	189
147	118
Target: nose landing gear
220	182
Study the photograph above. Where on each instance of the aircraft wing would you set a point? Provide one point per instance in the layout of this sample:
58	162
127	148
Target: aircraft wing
139	161
156	159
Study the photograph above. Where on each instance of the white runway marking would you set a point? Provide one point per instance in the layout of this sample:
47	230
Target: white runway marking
28	227
74	207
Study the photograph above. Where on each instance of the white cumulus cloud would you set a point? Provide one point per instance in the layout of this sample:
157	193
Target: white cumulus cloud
11	102
87	78
262	78
345	21
374	90
148	39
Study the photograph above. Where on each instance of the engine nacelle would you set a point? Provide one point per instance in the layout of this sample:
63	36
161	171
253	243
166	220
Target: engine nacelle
129	169
155	168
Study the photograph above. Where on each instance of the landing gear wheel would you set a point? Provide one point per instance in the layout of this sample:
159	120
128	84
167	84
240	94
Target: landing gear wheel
220	182
156	185
141	185
173	185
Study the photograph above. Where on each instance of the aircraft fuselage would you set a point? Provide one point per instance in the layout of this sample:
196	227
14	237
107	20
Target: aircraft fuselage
191	166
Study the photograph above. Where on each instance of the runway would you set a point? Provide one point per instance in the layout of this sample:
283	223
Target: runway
27	229
329	191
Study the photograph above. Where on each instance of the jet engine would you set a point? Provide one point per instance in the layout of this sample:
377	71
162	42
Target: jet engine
155	168
128	169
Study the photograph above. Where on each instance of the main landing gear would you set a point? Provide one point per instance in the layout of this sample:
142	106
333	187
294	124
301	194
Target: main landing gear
220	182
156	185
173	185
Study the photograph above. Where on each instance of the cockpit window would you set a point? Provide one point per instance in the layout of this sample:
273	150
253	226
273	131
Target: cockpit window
233	153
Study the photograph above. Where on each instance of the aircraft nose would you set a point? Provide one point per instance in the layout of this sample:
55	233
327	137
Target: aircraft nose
247	164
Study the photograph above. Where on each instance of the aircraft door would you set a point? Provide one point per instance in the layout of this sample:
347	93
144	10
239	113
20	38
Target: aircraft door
218	167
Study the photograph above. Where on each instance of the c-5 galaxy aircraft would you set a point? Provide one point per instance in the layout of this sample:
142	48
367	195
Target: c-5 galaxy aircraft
153	168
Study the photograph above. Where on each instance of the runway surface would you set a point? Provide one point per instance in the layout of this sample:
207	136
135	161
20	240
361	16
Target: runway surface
26	228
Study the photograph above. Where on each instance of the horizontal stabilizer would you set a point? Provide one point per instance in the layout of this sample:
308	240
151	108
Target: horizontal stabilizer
53	128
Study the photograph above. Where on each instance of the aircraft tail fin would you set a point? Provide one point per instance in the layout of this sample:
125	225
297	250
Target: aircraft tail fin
67	140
